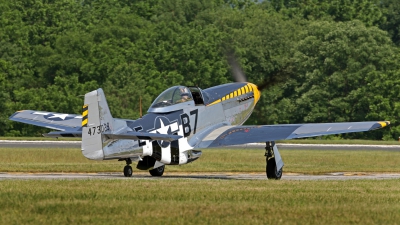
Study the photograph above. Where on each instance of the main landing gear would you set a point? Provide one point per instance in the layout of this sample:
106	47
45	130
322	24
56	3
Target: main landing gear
274	161
128	169
157	172
145	164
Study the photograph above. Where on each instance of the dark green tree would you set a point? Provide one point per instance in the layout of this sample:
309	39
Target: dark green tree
345	72
367	11
391	9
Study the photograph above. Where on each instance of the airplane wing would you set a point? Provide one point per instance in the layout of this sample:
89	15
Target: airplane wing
236	135
70	125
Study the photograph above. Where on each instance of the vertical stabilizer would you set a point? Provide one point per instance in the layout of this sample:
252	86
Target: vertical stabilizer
96	119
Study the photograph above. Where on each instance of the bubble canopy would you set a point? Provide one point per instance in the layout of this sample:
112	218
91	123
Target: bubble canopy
171	96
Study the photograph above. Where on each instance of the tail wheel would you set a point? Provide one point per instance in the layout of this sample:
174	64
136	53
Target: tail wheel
157	172
272	172
128	171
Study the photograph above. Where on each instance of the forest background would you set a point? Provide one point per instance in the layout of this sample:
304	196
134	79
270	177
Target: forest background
335	60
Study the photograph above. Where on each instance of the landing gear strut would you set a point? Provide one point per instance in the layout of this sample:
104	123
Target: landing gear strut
128	168
271	167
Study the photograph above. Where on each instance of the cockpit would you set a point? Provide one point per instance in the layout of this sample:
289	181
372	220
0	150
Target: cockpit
178	94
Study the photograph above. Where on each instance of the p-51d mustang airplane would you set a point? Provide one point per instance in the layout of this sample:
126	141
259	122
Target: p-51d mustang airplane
180	122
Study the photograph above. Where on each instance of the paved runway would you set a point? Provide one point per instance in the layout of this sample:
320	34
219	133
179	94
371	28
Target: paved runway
228	176
77	144
39	144
193	176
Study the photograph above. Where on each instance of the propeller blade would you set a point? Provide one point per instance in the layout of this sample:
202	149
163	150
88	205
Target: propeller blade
236	70
274	78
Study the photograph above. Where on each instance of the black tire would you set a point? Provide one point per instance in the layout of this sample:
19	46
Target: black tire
128	171
157	172
271	170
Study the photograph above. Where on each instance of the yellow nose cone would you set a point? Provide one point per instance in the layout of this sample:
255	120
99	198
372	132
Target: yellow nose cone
256	92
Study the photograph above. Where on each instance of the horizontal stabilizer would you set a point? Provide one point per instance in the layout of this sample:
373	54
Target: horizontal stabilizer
143	136
56	134
52	120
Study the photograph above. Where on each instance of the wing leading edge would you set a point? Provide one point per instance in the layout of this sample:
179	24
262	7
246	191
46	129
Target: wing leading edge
236	135
70	123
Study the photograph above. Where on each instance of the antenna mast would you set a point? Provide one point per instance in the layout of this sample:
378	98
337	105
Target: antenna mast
140	106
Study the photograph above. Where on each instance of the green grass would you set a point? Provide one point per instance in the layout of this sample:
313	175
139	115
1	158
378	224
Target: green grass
181	201
201	201
215	160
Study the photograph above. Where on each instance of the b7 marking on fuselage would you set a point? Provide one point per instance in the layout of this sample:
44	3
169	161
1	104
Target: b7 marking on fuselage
186	122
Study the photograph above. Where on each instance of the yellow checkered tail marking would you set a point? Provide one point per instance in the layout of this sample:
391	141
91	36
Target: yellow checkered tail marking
85	110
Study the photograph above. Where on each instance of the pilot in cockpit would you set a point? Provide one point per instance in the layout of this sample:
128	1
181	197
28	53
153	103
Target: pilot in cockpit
185	96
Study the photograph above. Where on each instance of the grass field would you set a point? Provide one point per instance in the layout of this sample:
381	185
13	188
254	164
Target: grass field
216	160
201	201
181	201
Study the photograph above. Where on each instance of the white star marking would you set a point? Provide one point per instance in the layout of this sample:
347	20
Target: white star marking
61	116
41	113
166	129
163	129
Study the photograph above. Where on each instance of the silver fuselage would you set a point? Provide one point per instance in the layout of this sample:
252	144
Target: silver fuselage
190	120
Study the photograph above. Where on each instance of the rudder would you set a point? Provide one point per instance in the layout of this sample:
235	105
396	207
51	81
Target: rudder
96	119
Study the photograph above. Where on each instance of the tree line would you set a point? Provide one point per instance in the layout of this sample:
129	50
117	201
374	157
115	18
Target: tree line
323	61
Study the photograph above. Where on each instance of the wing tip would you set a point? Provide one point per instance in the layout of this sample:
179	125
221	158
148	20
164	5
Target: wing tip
385	123
380	124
